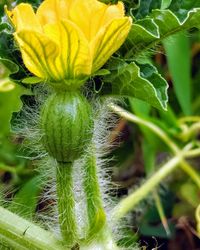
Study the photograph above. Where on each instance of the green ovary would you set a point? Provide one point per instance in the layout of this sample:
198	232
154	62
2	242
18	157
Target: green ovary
66	121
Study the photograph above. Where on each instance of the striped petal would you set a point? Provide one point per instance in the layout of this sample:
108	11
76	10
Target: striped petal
91	15
108	41
114	11
52	11
39	54
23	17
75	59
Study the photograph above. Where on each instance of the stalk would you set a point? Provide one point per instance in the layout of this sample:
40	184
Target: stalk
128	203
22	234
99	235
95	210
66	203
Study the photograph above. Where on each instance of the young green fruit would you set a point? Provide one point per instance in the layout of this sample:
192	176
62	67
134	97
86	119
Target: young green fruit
66	121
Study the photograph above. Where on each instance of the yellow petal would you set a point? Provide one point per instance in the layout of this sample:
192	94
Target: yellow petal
91	15
23	17
51	11
114	11
39	54
87	15
74	59
108	41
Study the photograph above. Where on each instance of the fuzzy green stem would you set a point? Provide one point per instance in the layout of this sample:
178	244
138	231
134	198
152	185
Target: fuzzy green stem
162	135
128	203
194	128
161	212
95	210
189	119
22	234
193	153
66	203
194	175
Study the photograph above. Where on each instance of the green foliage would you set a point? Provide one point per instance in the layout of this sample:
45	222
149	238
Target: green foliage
14	104
158	26
145	7
179	66
26	199
142	82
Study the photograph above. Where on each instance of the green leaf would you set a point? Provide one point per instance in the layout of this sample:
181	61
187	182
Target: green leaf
7	67
165	4
181	7
160	25
145	7
10	97
178	56
32	80
9	102
26	199
101	72
169	119
142	82
149	154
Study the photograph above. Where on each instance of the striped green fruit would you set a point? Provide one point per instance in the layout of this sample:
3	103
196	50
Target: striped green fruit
66	121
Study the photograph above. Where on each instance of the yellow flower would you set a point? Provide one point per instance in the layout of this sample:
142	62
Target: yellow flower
68	40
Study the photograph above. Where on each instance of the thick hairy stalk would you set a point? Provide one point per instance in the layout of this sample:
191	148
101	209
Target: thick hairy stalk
66	203
22	234
95	210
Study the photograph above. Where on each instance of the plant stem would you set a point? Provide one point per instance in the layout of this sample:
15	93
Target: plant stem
189	119
160	133
66	203
194	128
133	199
190	171
22	234
161	212
95	210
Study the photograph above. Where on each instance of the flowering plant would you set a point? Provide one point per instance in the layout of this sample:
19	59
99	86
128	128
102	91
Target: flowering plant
65	44
67	41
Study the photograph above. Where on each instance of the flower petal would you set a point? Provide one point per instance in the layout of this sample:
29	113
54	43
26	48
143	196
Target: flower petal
108	41
23	17
75	59
91	15
39	54
113	12
51	11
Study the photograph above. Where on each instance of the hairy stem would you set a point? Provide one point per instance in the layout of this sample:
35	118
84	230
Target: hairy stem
95	210
128	203
161	212
22	234
66	203
194	175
